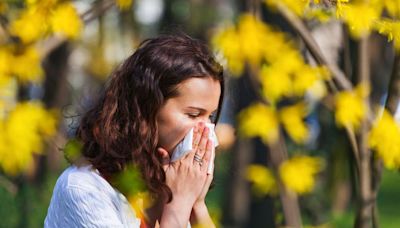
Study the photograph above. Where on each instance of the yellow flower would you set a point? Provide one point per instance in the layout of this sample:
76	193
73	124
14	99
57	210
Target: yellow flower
281	46
297	6
391	29
393	7
288	75
26	66
124	4
383	138
43	4
65	20
247	41
261	121
139	202
292	119
30	26
304	78
320	14
263	181
350	107
360	18
5	65
73	150
228	42
276	83
339	7
23	134
298	173
252	34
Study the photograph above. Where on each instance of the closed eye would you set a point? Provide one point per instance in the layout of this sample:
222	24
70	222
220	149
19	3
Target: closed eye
194	116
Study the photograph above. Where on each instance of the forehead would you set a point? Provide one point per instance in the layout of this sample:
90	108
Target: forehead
202	92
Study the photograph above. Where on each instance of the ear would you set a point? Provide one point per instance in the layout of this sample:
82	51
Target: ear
165	158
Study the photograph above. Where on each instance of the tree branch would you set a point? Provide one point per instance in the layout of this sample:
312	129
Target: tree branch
366	199
278	153
53	42
393	97
290	204
8	185
314	49
391	105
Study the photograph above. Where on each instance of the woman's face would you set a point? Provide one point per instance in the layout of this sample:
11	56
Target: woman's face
197	101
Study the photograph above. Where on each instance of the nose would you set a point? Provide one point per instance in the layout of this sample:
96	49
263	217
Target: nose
204	120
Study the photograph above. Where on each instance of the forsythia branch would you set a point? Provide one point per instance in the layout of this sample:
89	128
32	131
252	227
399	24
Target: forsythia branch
53	42
314	49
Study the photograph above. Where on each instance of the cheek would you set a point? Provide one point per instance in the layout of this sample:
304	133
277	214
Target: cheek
172	133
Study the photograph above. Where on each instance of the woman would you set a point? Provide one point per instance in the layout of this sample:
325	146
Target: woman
170	85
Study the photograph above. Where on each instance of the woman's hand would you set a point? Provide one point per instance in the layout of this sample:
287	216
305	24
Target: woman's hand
199	142
199	213
187	178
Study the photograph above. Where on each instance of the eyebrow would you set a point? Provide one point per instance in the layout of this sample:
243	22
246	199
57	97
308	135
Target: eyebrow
201	109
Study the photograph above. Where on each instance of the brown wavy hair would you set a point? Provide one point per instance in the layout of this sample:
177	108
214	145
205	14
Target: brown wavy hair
121	128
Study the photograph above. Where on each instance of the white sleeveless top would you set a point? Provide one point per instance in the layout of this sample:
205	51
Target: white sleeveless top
82	198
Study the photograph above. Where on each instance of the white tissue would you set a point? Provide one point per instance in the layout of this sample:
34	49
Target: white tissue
185	146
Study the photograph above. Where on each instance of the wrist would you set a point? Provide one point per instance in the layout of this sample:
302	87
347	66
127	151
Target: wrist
200	207
179	204
176	213
200	215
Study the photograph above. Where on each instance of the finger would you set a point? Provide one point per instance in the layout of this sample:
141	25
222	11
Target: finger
165	158
208	154
197	135
210	168
203	143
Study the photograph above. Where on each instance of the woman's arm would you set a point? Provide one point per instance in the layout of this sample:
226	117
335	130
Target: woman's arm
200	216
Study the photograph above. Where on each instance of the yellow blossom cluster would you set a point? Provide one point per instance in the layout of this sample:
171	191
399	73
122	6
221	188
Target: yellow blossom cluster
288	75
350	107
292	119
66	21
131	183
391	29
259	120
299	172
296	6
22	134
383	138
246	42
392	7
23	64
41	18
283	71
262	179
298	175
361	17
124	4
263	121
139	202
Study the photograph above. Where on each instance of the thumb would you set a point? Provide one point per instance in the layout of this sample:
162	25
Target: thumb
164	155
